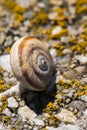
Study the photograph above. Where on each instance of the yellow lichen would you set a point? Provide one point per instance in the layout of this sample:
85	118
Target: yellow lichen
13	6
50	107
81	6
41	18
13	128
5	119
18	17
7	50
80	92
63	32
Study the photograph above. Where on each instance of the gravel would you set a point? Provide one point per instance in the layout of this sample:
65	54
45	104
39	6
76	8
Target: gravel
62	27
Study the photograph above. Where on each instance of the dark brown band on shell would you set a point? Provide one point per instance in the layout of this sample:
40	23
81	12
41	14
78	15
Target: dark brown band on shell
24	73
21	46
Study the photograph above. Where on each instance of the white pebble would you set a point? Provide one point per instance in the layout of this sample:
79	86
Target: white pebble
12	103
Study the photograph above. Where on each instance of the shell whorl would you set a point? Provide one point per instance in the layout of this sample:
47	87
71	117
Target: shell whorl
31	63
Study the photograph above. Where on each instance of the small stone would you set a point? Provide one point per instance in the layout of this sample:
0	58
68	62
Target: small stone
41	5
7	112
12	103
81	58
5	62
80	105
64	127
56	30
71	74
65	39
38	122
26	3
26	113
56	2
9	41
71	2
1	104
84	80
80	69
66	116
67	51
84	98
2	37
85	112
52	15
21	103
68	100
27	23
16	38
2	127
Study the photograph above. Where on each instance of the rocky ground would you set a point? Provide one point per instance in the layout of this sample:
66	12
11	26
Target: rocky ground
62	26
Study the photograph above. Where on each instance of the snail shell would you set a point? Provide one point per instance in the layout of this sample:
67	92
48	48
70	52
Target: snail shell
31	63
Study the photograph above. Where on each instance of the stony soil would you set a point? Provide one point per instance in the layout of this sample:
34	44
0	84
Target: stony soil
62	26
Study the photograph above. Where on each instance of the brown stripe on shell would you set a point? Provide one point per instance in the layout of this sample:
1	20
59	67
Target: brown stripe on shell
25	75
20	48
29	81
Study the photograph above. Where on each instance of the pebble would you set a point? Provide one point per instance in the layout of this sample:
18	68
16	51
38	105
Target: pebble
2	37
56	30
67	51
12	103
2	127
65	39
21	103
26	3
71	74
7	112
27	23
26	113
83	98
52	15
85	112
64	127
66	116
80	69
38	122
5	62
81	58
80	105
8	41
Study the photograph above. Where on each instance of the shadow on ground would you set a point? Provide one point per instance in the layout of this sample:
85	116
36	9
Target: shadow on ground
37	101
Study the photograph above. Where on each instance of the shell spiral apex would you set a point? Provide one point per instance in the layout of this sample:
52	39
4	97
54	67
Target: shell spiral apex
32	63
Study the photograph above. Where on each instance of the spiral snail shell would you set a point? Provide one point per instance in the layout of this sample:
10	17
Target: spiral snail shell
31	63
